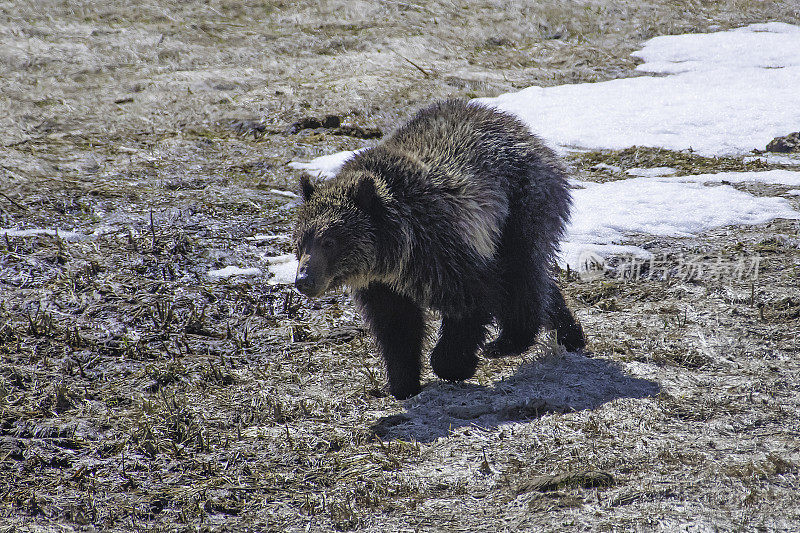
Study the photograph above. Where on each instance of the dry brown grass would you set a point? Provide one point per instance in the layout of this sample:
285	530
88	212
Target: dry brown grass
136	393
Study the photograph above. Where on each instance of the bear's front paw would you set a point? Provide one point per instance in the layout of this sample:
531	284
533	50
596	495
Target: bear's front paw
453	364
404	391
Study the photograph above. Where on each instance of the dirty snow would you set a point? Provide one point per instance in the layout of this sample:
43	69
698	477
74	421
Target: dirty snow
606	167
34	232
790	178
283	269
652	172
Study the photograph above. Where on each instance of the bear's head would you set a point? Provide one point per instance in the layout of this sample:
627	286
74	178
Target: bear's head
335	238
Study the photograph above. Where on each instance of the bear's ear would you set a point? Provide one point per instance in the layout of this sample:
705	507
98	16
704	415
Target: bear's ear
306	187
366	195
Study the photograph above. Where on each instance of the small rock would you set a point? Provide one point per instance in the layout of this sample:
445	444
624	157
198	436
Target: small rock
305	123
785	144
12	448
358	132
90	164
332	121
226	86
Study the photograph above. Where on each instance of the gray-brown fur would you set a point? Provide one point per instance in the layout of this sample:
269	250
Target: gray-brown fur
460	210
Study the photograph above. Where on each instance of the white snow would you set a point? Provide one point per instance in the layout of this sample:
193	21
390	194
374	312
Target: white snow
62	234
285	194
326	166
775	177
727	93
652	172
230	271
607	167
283	268
603	213
267	238
793	192
766	46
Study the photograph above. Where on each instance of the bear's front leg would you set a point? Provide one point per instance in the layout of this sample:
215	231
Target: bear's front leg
398	325
454	356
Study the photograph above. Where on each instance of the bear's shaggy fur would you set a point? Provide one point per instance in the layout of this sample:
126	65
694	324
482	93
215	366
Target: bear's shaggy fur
460	210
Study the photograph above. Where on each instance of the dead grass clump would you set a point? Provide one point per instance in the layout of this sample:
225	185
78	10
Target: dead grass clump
772	465
589	479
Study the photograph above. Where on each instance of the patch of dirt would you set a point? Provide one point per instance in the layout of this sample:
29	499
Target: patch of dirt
138	393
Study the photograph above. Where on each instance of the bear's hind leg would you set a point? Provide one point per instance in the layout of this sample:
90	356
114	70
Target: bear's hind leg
398	325
521	315
454	358
526	251
569	333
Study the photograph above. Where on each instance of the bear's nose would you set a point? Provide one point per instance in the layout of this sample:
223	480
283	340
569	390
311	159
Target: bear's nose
304	282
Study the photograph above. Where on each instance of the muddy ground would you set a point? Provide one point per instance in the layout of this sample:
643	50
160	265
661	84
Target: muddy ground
138	393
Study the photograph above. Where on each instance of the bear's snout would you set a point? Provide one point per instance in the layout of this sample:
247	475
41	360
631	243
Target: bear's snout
306	281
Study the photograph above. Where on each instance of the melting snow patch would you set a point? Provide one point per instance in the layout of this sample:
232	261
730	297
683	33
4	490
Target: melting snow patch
774	159
285	194
653	172
604	213
326	166
607	167
283	269
774	177
266	238
727	93
63	235
230	271
763	46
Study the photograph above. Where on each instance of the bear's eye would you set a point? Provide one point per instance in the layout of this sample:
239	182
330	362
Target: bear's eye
328	243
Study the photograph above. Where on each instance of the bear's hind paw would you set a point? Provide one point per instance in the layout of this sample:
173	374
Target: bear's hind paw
504	347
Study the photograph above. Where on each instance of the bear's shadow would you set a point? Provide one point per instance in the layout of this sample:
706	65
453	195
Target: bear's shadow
563	383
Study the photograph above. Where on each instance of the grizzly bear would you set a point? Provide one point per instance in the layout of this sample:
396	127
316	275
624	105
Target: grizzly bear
460	210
